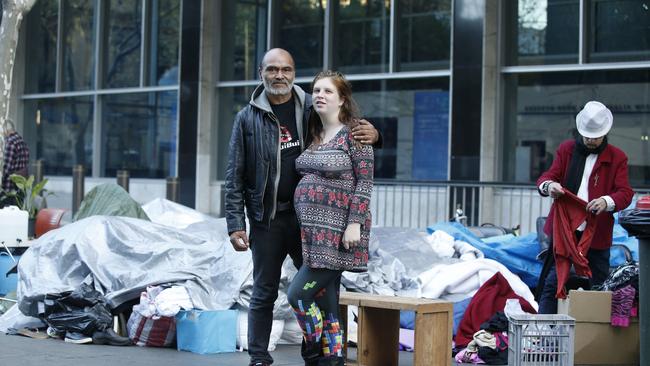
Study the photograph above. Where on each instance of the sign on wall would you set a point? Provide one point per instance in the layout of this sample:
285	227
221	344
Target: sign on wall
431	135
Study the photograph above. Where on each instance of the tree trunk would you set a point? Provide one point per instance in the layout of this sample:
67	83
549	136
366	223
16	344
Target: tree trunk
13	12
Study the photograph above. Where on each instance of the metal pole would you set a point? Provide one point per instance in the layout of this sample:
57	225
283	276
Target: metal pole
78	177
37	167
123	179
644	297
173	189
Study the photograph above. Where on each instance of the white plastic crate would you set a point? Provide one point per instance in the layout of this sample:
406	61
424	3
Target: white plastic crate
541	340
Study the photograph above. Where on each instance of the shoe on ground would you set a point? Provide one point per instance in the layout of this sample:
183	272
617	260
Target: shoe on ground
260	364
53	333
111	338
77	338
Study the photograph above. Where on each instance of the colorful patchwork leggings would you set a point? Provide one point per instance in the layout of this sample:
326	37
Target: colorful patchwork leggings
314	297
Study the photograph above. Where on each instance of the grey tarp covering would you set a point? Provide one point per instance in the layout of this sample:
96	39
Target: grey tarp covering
124	255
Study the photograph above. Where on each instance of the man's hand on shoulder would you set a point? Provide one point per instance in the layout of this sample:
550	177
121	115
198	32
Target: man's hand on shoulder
365	133
239	241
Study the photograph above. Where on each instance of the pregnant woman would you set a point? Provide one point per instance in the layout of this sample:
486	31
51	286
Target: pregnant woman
332	203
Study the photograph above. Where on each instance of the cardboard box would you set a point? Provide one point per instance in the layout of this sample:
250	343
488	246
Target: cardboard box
596	341
602	344
587	306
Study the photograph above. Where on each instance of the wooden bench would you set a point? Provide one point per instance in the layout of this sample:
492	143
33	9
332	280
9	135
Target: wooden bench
378	329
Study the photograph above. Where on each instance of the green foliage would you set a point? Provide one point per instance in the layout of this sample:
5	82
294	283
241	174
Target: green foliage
27	193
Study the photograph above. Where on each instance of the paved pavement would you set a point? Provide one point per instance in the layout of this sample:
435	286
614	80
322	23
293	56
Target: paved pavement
22	351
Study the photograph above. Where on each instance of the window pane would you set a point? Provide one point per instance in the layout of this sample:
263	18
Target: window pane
361	34
40	58
243	38
542	31
424	33
413	117
231	101
60	132
124	35
78	44
300	31
139	134
165	41
540	114
620	30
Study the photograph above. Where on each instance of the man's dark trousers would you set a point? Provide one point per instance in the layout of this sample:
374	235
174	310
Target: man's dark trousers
269	246
599	265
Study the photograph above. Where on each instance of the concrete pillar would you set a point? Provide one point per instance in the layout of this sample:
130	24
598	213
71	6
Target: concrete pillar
489	109
206	141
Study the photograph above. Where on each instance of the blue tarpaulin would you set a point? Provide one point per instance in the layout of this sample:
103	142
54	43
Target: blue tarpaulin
518	253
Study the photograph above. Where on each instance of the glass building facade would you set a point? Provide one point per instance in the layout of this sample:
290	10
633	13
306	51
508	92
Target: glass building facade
560	54
396	53
103	84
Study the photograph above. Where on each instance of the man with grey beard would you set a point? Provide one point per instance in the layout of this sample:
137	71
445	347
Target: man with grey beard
267	137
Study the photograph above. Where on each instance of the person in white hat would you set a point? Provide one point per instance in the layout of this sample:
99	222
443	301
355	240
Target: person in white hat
596	172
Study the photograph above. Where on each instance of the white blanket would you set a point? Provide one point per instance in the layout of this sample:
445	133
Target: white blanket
461	280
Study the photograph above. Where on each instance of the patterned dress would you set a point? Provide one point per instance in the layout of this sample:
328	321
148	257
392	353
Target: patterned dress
335	190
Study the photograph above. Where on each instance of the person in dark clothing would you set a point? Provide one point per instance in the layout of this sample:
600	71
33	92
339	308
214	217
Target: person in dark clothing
16	160
268	135
597	173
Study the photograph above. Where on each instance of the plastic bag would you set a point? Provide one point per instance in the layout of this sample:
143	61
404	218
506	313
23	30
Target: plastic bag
636	222
83	310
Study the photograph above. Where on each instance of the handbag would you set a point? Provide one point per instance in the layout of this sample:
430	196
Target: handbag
155	331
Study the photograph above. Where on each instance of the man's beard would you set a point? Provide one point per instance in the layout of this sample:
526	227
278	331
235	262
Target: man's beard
273	90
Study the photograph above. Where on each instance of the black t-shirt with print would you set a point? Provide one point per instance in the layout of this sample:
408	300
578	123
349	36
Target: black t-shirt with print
289	149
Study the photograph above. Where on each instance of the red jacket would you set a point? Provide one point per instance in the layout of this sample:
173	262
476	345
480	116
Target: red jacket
609	177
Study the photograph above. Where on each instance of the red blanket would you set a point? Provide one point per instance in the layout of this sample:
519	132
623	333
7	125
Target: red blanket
489	299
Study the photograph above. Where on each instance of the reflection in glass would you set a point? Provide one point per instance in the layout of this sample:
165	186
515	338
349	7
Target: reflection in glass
243	38
124	40
60	132
163	69
540	113
424	34
413	117
300	31
231	101
139	134
620	30
42	24
78	44
361	35
542	31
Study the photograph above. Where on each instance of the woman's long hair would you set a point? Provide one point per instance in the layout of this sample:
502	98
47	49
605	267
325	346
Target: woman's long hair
349	112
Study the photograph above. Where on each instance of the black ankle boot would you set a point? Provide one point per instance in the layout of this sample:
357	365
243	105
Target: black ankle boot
331	361
109	337
310	352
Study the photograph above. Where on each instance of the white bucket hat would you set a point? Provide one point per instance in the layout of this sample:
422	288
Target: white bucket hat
594	120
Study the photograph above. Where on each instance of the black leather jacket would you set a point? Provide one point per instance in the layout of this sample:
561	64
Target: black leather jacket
254	159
